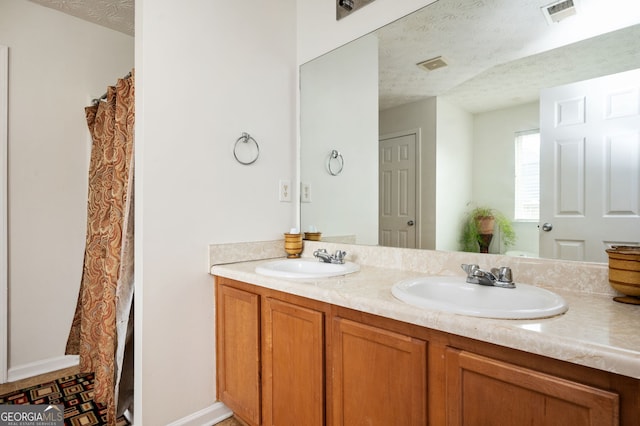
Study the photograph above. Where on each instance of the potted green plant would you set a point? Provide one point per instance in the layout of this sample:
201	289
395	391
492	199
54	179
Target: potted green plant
479	226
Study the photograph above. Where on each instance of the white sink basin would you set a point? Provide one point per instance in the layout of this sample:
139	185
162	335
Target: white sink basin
453	294
305	268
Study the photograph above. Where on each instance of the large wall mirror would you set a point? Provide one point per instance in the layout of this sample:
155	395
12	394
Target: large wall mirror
458	123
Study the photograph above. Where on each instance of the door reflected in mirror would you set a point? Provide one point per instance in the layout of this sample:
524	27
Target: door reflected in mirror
465	118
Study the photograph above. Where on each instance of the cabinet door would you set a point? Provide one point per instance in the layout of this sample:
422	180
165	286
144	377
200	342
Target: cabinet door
484	391
238	352
380	377
293	372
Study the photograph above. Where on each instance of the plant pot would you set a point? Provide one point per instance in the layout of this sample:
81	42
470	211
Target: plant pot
485	224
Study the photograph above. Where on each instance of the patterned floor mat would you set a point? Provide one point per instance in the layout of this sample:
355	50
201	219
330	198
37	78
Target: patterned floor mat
74	392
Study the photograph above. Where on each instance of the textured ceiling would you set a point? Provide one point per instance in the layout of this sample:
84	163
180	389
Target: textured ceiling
501	52
520	81
115	14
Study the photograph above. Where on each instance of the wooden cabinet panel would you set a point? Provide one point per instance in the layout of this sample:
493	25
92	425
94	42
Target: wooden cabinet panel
238	352
293	364
379	376
484	391
278	364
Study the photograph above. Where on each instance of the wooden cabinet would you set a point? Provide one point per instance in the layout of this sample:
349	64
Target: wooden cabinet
238	351
287	360
293	360
379	376
484	391
270	355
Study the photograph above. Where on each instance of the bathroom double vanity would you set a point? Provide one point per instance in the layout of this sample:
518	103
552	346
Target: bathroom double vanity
344	351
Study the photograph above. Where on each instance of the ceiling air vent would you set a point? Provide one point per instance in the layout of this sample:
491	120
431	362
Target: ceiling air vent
557	11
433	63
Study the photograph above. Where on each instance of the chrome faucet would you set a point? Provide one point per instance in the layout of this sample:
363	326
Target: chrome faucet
323	256
498	277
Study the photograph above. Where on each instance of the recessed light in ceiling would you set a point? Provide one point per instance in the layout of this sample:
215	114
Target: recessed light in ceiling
559	10
433	63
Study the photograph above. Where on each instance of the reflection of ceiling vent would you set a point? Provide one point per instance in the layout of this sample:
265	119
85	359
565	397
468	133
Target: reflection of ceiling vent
433	63
557	11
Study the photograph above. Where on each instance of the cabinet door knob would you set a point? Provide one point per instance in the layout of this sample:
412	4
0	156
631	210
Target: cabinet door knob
410	223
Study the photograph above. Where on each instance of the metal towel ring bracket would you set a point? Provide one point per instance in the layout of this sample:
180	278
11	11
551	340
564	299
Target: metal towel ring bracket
335	155
245	139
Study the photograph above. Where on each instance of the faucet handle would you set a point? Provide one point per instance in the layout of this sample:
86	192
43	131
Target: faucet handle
315	253
469	269
503	274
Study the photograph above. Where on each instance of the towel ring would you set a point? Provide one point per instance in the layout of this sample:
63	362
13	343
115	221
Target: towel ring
335	155
246	138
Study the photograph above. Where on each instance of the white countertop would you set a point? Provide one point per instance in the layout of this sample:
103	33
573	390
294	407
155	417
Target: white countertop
595	332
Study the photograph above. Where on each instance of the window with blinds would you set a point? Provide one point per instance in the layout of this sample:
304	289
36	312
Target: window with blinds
527	173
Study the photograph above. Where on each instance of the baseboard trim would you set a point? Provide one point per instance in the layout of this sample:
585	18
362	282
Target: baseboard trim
205	417
42	367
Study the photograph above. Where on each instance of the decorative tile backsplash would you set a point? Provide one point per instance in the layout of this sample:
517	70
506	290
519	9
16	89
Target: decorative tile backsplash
581	277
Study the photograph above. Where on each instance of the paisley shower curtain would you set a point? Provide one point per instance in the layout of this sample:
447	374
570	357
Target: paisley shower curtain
103	316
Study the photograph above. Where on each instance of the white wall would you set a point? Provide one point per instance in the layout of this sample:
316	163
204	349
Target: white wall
455	155
57	64
339	110
206	72
494	164
419	115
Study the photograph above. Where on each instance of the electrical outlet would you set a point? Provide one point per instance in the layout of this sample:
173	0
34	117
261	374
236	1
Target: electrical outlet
284	190
305	192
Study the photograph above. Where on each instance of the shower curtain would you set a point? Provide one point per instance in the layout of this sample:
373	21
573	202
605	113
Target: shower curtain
103	316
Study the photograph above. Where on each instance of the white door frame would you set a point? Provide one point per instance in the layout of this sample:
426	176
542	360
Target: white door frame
418	202
4	264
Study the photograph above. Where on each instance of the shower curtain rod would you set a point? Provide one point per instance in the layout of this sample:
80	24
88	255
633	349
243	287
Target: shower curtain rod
104	96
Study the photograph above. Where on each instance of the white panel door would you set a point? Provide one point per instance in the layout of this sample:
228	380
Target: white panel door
590	167
397	186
